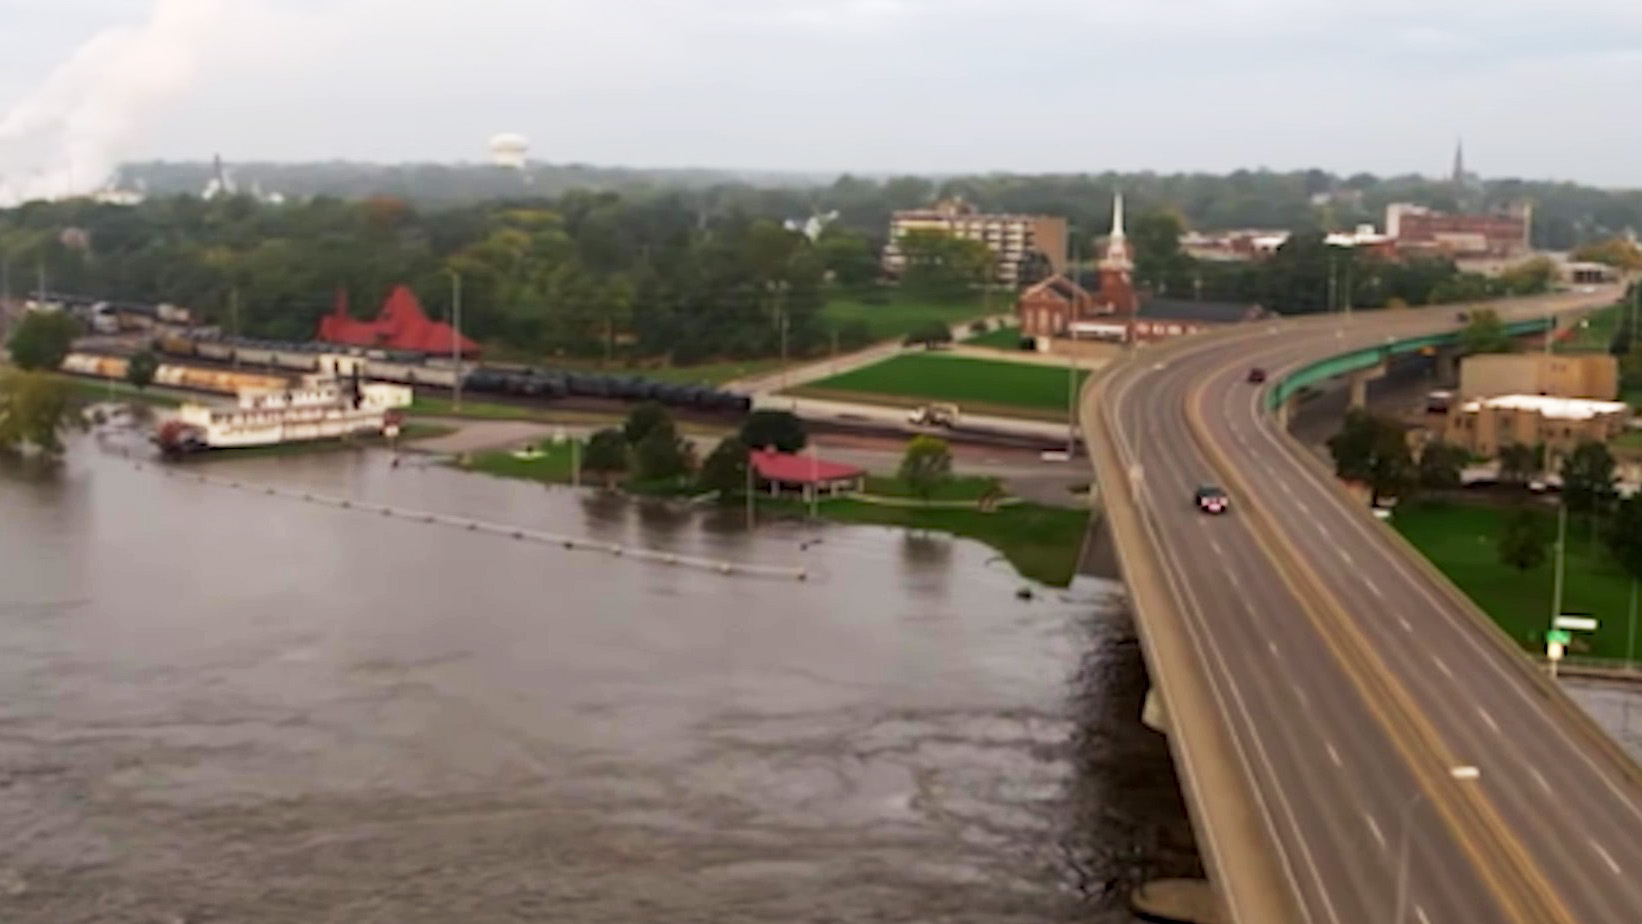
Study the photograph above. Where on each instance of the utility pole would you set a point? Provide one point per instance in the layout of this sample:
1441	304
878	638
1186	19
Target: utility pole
1351	263
749	489
1333	302
815	483
1630	646
233	318
1072	406
456	339
1561	552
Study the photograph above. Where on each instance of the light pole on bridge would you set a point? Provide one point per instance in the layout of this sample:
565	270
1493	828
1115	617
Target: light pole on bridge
1464	774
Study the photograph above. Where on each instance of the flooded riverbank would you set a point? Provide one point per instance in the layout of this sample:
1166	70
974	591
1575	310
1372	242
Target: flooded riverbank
218	705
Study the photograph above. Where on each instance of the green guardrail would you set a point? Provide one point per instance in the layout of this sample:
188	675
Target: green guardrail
1369	357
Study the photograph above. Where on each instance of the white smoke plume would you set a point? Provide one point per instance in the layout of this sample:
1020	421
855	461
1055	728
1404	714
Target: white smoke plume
72	131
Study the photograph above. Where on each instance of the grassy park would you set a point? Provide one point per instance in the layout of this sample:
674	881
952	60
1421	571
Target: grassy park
891	314
998	338
977	385
1042	543
1460	540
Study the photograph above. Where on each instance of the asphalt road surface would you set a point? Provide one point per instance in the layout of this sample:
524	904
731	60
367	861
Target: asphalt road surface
1349	674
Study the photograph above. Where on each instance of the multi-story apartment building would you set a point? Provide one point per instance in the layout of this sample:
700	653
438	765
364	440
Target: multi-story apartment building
1012	238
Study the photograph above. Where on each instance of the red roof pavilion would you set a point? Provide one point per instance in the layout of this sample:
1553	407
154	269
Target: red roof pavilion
806	469
402	325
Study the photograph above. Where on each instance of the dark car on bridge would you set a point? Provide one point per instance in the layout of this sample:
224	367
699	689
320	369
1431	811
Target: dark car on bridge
1211	499
1257	375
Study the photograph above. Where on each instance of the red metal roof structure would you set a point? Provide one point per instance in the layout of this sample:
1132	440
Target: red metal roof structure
801	469
402	325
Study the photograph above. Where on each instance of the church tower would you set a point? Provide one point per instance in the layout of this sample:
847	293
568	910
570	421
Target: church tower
1117	289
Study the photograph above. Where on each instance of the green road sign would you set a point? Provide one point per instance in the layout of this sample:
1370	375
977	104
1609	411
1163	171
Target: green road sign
1557	637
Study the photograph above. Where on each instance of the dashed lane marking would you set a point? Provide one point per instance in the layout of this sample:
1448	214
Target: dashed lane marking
1333	754
1374	826
1606	856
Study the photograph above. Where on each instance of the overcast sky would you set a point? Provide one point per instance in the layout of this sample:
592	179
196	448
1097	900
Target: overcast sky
1538	88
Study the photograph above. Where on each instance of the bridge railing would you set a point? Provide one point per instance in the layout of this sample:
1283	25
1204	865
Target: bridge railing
1369	357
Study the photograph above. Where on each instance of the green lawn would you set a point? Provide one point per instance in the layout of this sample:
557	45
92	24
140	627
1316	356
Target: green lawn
1594	335
91	392
1001	338
964	489
901	313
1460	541
553	466
1043	543
979	385
711	373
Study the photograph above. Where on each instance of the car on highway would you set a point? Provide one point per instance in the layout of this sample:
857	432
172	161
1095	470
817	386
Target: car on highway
1211	499
1257	375
934	415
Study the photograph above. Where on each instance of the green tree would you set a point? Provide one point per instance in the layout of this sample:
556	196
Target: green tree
1485	333
140	370
725	469
1374	450
661	454
782	430
1588	478
1441	464
1529	277
1521	540
606	455
1625	534
645	417
848	257
34	412
42	339
928	335
926	465
1159	262
1518	463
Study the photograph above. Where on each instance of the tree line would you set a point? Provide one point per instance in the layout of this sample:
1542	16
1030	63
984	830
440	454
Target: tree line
1565	214
602	275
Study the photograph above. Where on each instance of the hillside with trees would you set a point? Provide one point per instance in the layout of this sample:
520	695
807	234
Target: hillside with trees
1566	215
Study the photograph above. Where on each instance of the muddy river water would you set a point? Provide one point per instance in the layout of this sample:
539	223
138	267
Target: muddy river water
217	705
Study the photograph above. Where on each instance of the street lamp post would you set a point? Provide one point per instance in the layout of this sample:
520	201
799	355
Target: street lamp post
1464	774
1561	556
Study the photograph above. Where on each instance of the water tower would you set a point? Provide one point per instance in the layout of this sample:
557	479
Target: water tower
509	150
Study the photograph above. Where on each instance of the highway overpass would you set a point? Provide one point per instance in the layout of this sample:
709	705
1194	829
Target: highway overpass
1325	688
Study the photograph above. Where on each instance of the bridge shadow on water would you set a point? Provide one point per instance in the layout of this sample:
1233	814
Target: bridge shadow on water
1125	819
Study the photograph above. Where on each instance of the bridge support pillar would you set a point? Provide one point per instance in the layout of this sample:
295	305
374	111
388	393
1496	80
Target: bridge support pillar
1359	385
1448	367
1285	411
1154	713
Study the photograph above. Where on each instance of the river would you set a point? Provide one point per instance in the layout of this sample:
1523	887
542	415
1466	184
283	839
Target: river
219	705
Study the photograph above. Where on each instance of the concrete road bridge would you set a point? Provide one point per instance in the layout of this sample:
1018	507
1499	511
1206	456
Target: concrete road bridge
1357	742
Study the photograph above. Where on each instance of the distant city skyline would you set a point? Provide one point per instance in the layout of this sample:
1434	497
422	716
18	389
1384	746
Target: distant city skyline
934	87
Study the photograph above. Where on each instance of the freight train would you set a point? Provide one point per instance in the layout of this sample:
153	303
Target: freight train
418	370
194	378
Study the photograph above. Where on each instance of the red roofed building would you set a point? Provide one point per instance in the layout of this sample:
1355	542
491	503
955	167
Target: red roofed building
402	325
804	473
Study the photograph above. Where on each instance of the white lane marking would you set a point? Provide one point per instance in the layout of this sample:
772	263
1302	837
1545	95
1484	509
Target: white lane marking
1374	588
1232	576
1443	666
1285	486
1333	754
1540	779
1494	726
1217	549
1374	826
1344	554
1403	621
1419	912
1272	647
1300	695
1606	856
